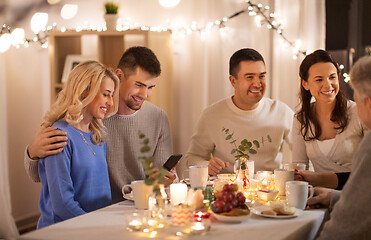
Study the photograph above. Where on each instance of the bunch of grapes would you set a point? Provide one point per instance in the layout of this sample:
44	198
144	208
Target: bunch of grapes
229	199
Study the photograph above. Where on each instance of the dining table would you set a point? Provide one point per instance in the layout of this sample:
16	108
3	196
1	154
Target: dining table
109	223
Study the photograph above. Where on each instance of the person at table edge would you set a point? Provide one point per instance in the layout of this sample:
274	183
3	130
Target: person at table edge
138	70
350	209
248	114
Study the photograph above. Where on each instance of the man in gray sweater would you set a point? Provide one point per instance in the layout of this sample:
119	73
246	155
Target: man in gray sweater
350	209
137	70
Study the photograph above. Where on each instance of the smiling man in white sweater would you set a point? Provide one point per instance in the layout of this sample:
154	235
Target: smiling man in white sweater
248	114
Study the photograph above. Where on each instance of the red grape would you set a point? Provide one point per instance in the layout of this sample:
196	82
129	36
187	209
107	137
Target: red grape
227	188
228	197
234	203
227	207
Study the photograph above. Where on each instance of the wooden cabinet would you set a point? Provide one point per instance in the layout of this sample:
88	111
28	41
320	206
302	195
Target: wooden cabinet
107	47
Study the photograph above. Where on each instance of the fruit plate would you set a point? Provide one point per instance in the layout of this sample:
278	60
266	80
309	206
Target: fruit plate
230	219
257	211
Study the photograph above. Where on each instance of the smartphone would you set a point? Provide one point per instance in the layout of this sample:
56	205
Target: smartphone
172	161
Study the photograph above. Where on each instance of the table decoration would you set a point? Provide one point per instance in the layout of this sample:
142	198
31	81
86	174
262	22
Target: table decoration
230	204
242	151
178	193
158	203
267	195
182	214
195	198
265	179
135	221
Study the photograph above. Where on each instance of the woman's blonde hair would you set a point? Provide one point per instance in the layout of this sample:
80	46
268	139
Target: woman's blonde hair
82	86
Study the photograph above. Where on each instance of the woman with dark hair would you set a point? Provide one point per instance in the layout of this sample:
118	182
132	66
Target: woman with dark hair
326	130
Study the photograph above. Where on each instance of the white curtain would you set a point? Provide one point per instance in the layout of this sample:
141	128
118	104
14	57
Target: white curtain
8	229
201	66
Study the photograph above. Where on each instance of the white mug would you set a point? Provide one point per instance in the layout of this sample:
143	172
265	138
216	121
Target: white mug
297	193
281	176
139	194
297	166
198	176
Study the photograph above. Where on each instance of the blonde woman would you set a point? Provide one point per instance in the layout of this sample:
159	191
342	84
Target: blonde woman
75	181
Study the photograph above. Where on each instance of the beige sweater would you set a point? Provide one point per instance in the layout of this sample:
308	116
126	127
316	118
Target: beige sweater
271	117
350	217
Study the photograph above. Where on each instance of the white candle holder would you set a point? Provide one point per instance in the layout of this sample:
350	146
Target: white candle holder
135	221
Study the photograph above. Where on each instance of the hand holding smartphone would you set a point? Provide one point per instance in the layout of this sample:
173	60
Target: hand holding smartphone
172	161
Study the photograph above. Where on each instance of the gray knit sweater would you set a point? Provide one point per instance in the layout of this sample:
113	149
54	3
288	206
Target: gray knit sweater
123	146
351	214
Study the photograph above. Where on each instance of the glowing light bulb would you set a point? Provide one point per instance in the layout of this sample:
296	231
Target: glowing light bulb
38	22
69	11
17	36
5	42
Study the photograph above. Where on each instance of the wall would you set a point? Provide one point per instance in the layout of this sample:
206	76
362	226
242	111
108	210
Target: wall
28	98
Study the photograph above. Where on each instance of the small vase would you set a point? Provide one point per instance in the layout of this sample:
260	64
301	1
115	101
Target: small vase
242	173
111	21
158	206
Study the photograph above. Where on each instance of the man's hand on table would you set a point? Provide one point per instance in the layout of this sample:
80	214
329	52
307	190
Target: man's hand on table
321	198
216	165
48	141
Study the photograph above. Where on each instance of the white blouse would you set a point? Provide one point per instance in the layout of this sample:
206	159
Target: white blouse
325	145
326	156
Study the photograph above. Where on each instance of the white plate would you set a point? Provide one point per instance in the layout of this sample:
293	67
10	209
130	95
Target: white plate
257	211
230	219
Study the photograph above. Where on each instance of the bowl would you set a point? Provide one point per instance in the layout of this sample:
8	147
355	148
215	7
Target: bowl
267	195
226	176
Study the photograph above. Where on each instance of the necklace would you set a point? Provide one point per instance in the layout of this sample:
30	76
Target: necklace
90	145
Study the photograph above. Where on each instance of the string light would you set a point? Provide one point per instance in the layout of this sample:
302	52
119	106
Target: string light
263	17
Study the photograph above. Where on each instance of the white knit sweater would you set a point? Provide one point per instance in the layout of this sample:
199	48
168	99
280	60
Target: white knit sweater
271	117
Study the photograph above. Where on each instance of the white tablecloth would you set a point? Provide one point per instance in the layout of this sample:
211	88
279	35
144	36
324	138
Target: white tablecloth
109	223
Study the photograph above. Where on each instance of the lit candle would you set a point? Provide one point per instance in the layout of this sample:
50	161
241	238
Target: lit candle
254	184
265	178
178	193
198	226
135	225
